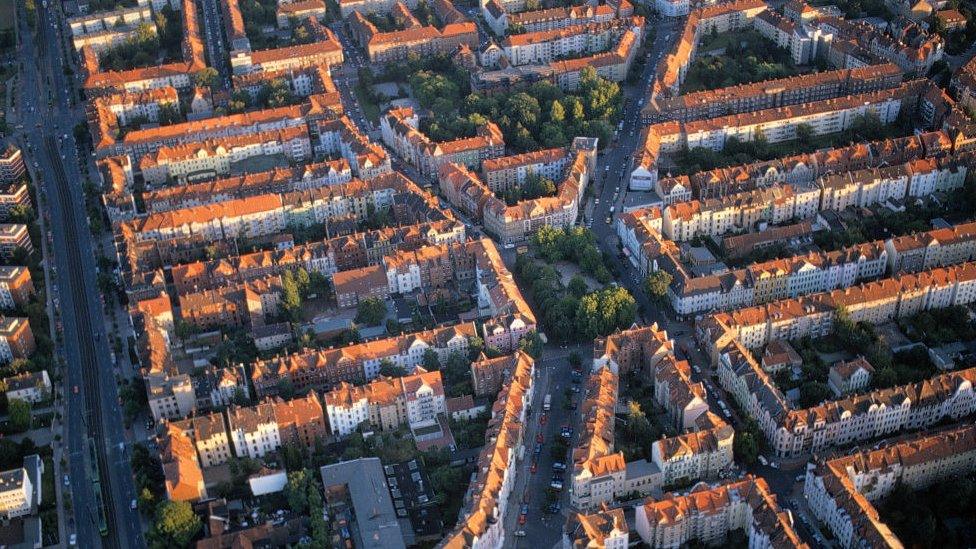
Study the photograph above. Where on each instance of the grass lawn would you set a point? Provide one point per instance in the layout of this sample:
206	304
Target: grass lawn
370	109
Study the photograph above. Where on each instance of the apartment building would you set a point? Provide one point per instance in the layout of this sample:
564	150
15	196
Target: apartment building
707	514
544	19
207	159
485	506
14	236
937	248
20	489
325	51
876	302
300	10
359	362
856	418
253	429
16	287
347	7
399	128
105	29
510	318
32	387
210	437
181	469
386	403
775	125
397	45
695	455
771	94
16	339
245	304
739	212
606	528
301	421
545	46
277	180
849	376
489	374
841	492
12	166
597	470
178	75
509	172
638	350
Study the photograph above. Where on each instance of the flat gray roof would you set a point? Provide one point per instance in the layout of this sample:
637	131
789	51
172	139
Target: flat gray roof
366	483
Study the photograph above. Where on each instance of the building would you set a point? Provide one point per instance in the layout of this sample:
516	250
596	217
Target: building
361	486
850	376
780	355
32	387
16	339
16	287
486	503
400	132
605	529
20	489
387	403
12	166
14	236
488	375
253	429
181	469
841	492
212	441
301	421
360	362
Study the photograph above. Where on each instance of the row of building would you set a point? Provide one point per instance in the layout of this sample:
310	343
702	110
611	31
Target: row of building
802	170
660	141
487	501
841	492
414	37
748	210
701	450
213	439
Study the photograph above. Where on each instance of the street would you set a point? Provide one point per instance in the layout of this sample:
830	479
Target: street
92	397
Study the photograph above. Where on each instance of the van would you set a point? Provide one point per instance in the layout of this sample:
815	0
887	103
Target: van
612	208
762	459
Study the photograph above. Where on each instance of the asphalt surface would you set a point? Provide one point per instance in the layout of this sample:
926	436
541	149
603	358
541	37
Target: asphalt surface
48	114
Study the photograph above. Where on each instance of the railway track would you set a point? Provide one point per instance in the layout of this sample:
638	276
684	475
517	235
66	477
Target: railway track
89	363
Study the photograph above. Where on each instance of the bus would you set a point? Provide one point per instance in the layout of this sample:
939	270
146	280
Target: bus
547	403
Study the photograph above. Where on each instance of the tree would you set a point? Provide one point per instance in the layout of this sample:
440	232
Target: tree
19	412
657	284
813	393
389	369
206	78
746	448
577	286
431	361
371	311
291	298
176	525
297	489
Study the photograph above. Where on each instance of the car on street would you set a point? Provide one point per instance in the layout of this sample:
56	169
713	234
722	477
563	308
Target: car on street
534	468
520	533
540	438
67	481
73	540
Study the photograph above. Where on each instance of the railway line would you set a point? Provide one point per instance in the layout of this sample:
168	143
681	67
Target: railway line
101	481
